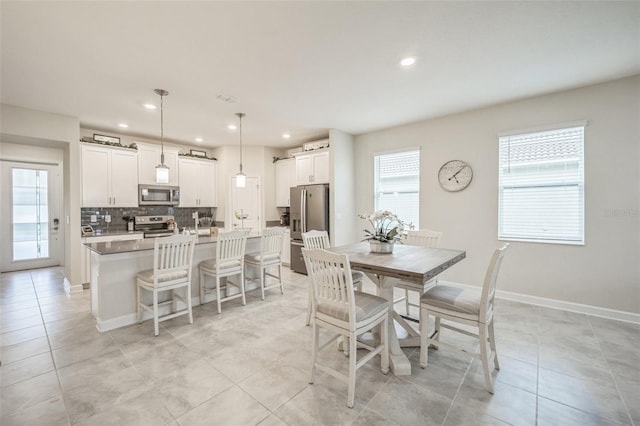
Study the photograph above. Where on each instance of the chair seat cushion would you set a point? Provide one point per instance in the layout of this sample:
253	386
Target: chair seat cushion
148	276
257	257
367	306
227	264
466	301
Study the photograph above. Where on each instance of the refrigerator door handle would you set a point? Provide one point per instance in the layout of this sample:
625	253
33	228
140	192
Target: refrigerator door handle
303	209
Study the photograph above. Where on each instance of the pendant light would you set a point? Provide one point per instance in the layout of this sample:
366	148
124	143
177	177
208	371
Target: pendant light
241	178
162	170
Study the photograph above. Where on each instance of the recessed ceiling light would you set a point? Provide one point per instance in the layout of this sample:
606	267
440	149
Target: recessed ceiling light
199	140
123	125
286	135
407	62
231	127
150	106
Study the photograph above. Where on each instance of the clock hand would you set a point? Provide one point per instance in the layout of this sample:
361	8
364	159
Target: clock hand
456	173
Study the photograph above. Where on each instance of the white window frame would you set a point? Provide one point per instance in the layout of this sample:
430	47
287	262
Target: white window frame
570	178
377	192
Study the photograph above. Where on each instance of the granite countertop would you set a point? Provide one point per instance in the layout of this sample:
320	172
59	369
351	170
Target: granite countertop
115	247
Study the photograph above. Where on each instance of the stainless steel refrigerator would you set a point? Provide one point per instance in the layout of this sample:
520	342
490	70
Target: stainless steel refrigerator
309	211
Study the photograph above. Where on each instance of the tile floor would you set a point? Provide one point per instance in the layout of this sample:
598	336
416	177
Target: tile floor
250	365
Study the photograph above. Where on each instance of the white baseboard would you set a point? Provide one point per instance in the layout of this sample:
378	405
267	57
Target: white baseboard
69	288
131	319
562	305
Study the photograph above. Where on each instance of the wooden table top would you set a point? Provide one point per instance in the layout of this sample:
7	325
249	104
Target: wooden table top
410	263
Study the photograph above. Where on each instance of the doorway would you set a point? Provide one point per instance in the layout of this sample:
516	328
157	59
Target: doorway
246	205
31	216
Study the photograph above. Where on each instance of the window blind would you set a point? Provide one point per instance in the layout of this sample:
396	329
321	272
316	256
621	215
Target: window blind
541	186
397	184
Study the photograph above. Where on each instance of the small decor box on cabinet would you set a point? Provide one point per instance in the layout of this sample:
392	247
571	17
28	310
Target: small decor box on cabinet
312	146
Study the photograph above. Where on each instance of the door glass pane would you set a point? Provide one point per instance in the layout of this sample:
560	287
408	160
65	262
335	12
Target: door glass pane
30	214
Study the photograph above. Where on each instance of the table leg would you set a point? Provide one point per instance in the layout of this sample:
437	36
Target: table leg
398	361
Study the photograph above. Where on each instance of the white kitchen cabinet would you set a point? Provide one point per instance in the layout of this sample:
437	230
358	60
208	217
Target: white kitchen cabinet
197	180
85	253
285	179
312	167
286	248
149	158
109	177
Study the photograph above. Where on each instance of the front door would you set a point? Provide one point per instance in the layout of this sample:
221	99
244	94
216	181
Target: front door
245	205
30	216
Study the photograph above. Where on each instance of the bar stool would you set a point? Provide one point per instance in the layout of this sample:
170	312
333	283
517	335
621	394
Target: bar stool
230	248
172	261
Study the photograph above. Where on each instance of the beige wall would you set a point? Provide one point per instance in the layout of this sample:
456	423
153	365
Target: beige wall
342	187
38	128
605	272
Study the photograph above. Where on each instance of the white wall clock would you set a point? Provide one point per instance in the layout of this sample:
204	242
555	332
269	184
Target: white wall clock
455	175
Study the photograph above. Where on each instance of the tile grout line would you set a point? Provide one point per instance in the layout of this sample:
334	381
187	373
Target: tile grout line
615	382
53	361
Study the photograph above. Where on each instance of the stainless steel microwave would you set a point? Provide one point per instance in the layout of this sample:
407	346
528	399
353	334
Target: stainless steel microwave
158	195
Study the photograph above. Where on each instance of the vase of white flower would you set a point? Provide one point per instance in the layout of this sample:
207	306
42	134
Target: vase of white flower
380	247
387	229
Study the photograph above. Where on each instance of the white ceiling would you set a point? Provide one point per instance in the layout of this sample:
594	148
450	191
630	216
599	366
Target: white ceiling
301	67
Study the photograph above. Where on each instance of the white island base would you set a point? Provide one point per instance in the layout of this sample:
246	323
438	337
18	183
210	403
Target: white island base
113	278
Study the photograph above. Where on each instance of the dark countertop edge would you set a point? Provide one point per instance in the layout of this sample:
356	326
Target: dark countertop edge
112	234
133	246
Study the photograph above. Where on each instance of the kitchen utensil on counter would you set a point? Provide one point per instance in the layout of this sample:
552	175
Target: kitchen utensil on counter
129	220
206	221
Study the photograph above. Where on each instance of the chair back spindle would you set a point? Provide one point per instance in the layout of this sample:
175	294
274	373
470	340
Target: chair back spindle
316	240
423	238
489	285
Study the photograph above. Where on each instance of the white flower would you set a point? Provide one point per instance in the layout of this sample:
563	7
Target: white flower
386	226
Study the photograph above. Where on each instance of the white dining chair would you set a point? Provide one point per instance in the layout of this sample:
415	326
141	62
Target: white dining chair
337	307
267	258
423	238
320	240
229	261
467	306
172	261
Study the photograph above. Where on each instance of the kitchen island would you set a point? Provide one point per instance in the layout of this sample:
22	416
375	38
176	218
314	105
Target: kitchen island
114	266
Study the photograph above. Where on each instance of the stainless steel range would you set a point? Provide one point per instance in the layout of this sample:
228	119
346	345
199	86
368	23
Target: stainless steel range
154	226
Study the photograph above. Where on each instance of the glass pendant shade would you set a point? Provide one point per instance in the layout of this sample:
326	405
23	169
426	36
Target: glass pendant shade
162	174
241	180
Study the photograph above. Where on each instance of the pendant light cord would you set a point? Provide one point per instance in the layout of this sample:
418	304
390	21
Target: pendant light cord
162	129
240	115
162	94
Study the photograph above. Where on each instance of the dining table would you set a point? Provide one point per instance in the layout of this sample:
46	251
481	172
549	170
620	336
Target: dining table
413	264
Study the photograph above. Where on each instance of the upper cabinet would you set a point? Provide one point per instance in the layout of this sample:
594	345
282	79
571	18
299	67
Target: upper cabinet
312	167
197	180
109	176
285	179
149	158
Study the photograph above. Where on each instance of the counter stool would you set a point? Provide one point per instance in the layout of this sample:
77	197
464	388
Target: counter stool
268	257
172	260
230	248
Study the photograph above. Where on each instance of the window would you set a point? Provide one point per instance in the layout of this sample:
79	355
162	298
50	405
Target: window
397	184
30	214
541	186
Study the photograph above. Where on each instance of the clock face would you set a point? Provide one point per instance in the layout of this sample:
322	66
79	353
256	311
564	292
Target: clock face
455	175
